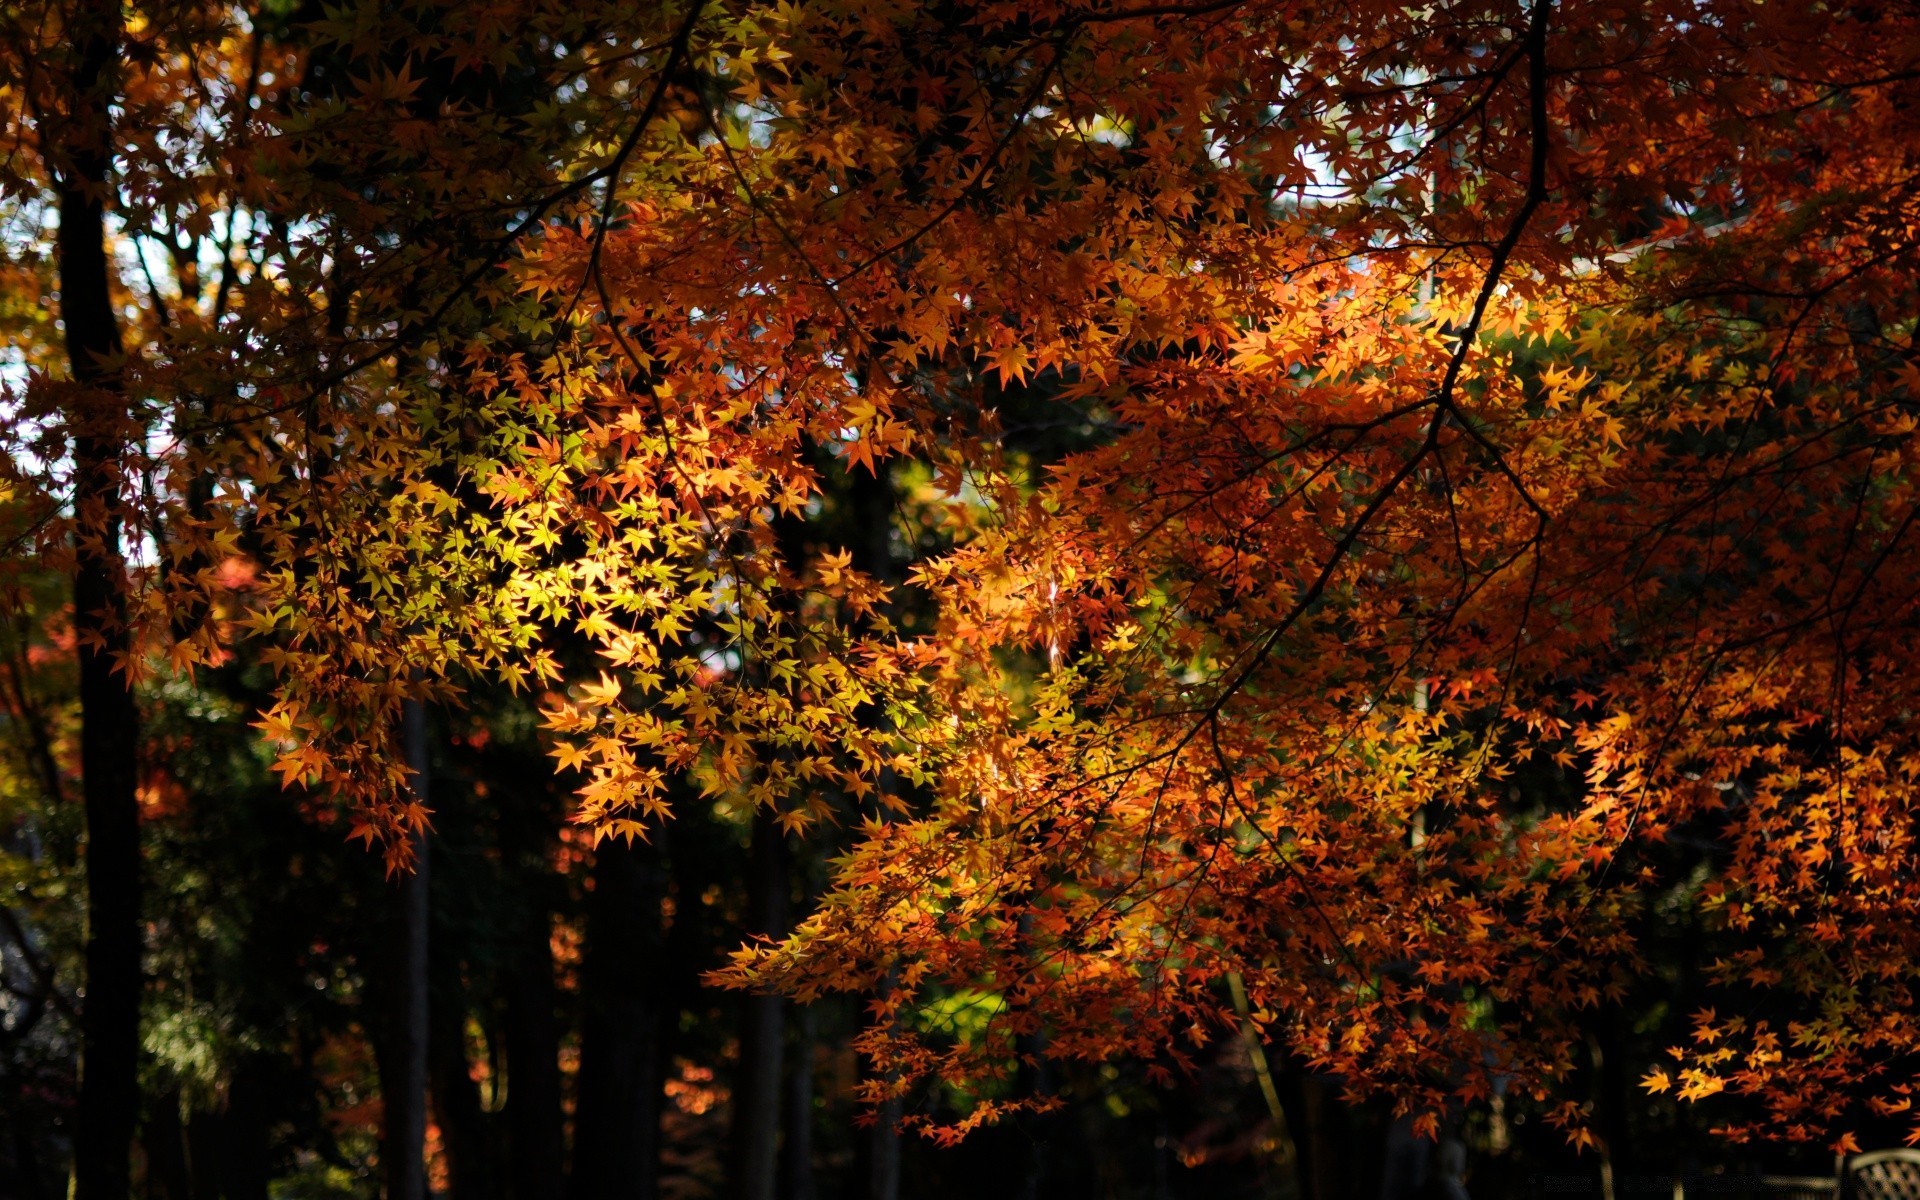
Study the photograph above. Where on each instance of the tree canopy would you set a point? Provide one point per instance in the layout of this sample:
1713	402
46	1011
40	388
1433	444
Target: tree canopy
1216	516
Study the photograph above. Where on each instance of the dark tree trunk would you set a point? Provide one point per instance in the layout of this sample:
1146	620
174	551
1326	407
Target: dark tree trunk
1041	1128
535	1123
756	1090
164	1139
204	1133
109	723
700	857
244	1168
1405	1162
1612	1091
403	1065
616	1132
871	498
471	1167
1319	1157
796	1150
883	1153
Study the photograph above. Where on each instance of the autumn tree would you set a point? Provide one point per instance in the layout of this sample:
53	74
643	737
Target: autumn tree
284	188
1488	460
1480	382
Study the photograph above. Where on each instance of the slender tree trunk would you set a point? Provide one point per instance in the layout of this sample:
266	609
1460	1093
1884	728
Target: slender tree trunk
536	1130
244	1167
205	1130
472	1168
883	1153
403	1074
756	1091
796	1150
871	497
616	1131
699	859
1040	1127
1610	1093
1405	1162
1318	1177
468	1138
109	723
164	1138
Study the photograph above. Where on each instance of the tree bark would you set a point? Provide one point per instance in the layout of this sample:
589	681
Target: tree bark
536	1130
471	1167
1036	1077
756	1090
883	1151
109	722
1319	1156
244	1169
871	497
205	1130
164	1138
403	1069
796	1150
616	1132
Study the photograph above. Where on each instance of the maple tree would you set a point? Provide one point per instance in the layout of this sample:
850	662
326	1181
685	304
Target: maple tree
1481	383
1488	454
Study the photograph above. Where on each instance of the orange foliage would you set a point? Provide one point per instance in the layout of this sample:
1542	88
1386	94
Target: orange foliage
1497	456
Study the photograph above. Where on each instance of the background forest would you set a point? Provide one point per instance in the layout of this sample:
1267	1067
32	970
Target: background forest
873	599
567	1010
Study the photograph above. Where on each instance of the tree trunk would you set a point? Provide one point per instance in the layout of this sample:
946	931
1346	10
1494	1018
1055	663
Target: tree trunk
1037	1079
1404	1161
109	723
205	1129
1611	1093
796	1151
756	1090
616	1131
883	1150
244	1167
536	1128
871	497
164	1138
403	1069
1319	1176
471	1168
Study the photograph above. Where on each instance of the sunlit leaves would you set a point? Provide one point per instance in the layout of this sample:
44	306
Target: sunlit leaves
1322	577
